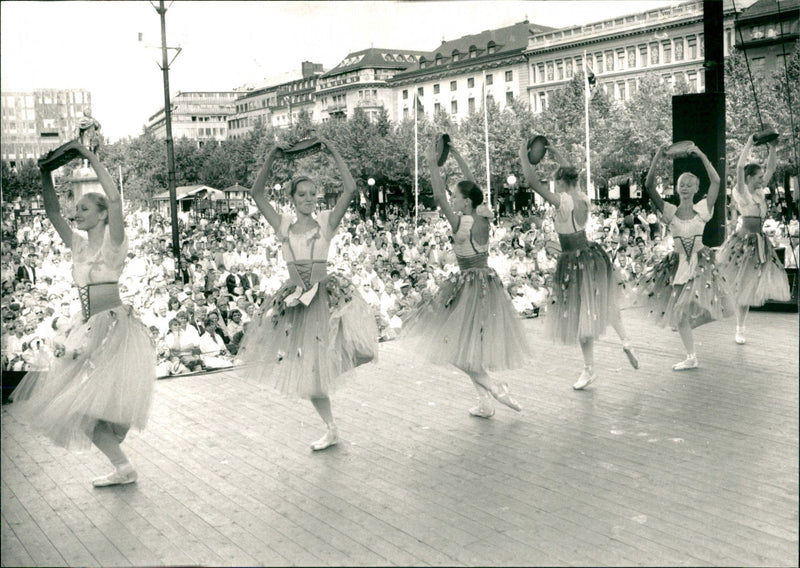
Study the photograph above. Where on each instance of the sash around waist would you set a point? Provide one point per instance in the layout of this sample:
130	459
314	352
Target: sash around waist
475	261
573	241
306	273
99	297
751	224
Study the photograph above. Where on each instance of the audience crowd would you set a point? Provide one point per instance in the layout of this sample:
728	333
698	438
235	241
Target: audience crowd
198	309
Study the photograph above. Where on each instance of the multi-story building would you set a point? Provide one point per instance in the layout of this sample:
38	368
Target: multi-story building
36	122
277	101
201	116
767	31
451	78
362	80
667	41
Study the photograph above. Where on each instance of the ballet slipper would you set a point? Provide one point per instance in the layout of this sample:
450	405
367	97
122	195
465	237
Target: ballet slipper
587	377
740	335
331	438
689	363
483	410
501	394
632	358
122	476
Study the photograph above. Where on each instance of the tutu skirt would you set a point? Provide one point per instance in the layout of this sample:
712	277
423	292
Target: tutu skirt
584	300
307	350
107	372
752	270
702	299
470	323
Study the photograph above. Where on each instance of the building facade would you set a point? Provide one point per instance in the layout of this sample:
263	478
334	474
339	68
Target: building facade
201	116
33	123
362	80
767	32
666	41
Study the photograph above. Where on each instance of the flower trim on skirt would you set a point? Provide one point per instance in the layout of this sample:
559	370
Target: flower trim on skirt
470	323
702	299
307	350
107	372
584	300
752	270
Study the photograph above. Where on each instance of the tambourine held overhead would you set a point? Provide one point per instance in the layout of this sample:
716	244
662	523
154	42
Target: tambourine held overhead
679	149
442	148
537	148
303	148
765	136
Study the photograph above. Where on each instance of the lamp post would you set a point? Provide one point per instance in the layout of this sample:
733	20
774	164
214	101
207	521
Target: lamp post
512	183
277	189
371	184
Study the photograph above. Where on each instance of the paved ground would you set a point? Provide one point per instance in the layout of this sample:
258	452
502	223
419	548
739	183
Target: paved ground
647	467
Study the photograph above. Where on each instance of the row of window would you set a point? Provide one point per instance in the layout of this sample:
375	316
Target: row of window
455	55
509	76
621	58
437	107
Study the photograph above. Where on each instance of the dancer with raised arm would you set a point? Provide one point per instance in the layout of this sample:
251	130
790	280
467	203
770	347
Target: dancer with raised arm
584	300
686	289
470	323
747	260
316	327
102	383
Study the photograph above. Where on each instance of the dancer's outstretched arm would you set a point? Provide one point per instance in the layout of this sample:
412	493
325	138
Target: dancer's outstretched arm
348	182
650	182
743	157
260	195
52	207
439	193
466	173
713	176
116	223
532	177
772	165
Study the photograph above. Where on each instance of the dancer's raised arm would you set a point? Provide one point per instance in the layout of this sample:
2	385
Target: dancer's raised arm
650	182
466	173
260	195
532	177
52	207
347	181
713	176
439	193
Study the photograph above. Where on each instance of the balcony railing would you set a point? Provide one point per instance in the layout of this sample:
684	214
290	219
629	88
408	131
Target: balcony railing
369	102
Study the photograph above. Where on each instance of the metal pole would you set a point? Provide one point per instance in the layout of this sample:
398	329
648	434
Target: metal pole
173	199
586	119
486	135
416	165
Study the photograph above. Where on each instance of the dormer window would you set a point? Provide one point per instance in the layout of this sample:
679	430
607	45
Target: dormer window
491	47
473	52
438	59
422	62
455	55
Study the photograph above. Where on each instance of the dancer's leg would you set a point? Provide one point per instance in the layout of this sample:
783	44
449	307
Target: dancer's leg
685	331
485	408
498	390
741	315
588	375
322	404
107	437
616	323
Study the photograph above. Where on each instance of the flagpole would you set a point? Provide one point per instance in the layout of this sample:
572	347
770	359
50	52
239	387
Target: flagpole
416	165
486	136
586	117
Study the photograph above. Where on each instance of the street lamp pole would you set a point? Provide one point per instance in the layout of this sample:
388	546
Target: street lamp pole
173	198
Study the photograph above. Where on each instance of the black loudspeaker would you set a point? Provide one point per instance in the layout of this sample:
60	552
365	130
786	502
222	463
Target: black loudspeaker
701	118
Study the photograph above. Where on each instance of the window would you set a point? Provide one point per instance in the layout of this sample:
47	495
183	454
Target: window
420	91
631	57
509	97
405	113
436	107
436	89
568	65
453	85
455	55
549	70
471	82
679	49
471	104
473	52
692	43
758	64
599	61
667	46
702	44
542	101
622	92
621	59
509	76
438	59
541	73
642	56
609	61
757	32
559	70
491	47
405	94
691	77
489	79
454	107
653	54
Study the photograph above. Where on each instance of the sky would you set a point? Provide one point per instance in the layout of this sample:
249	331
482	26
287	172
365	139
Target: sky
95	45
